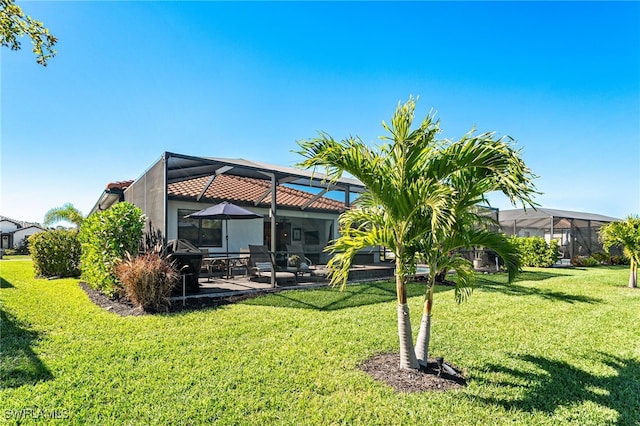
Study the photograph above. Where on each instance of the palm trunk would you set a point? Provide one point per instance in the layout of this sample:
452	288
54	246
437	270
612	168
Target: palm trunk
424	335
422	344
407	352
633	275
408	358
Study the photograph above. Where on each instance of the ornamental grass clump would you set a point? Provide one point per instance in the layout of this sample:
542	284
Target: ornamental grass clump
148	280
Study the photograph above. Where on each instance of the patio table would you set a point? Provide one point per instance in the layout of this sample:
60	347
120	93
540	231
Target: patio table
224	263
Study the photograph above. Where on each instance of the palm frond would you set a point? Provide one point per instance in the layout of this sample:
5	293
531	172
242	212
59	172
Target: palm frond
67	213
422	192
352	240
499	243
465	277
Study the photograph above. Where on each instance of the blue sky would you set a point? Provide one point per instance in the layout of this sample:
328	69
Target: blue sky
247	80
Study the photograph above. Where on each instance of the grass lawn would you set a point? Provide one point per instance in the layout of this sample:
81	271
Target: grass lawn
556	347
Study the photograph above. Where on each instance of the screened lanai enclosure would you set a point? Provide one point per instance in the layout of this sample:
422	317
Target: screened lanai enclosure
293	206
576	232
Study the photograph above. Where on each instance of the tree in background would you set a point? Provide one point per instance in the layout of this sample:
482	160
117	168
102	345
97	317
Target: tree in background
419	201
66	213
57	252
15	24
625	234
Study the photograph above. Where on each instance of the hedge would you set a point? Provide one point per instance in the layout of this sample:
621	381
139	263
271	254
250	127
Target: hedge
56	253
535	251
106	237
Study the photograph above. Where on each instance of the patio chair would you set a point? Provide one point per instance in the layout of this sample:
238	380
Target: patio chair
262	264
260	260
305	265
245	257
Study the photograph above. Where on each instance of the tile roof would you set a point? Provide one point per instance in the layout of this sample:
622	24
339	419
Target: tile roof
20	223
244	190
123	184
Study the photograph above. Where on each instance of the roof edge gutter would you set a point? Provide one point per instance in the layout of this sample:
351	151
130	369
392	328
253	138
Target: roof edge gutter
108	198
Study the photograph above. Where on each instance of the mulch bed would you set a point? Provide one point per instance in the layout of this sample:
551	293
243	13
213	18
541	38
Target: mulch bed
124	307
386	368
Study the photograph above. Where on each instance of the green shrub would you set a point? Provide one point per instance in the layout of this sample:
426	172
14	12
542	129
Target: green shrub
148	280
602	257
590	262
56	253
23	247
105	237
620	260
585	261
535	251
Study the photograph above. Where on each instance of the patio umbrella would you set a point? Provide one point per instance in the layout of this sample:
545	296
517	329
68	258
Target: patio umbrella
224	211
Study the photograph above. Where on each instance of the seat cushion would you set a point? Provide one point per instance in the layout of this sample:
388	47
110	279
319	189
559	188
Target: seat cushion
263	266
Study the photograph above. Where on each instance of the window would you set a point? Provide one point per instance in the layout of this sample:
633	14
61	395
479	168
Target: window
199	232
311	237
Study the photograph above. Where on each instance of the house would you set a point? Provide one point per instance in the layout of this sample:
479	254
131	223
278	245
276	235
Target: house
576	232
13	233
293	202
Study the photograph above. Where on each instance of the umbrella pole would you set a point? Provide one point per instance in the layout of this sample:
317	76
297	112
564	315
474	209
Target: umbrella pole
228	262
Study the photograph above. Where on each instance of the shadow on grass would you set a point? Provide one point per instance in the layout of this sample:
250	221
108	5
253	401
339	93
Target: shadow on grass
560	384
20	365
537	275
519	290
331	299
5	284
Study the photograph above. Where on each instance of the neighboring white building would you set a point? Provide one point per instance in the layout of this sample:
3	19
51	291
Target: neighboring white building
13	232
21	234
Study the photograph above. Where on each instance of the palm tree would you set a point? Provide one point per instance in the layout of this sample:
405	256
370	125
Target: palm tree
66	213
416	204
441	252
625	234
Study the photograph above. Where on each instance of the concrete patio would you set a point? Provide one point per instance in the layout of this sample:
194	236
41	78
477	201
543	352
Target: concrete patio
219	286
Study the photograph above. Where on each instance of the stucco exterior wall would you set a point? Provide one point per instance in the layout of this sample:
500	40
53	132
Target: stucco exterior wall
23	233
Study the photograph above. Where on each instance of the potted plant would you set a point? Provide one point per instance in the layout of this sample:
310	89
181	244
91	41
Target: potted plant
295	261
